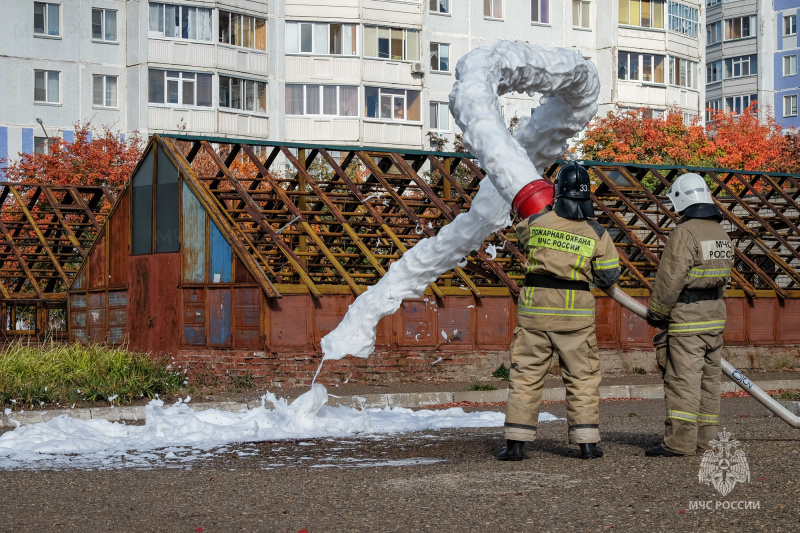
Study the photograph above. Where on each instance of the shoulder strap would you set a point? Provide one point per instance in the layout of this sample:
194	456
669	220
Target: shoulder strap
595	225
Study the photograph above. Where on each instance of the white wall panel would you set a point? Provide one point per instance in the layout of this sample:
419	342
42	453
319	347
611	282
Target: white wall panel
315	129
173	119
394	72
323	69
184	54
381	133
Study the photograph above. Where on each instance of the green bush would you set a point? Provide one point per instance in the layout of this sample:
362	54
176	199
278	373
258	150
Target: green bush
789	395
34	375
477	385
502	372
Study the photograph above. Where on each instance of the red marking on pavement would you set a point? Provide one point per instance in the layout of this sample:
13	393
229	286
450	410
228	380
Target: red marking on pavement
463	404
497	404
744	394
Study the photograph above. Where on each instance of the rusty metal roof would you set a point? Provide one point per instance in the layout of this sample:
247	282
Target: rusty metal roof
46	231
327	218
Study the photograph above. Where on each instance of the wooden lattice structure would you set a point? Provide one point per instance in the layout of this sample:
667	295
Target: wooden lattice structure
46	231
761	214
331	217
240	256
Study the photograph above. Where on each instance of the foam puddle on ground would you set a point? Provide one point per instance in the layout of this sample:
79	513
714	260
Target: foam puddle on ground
178	434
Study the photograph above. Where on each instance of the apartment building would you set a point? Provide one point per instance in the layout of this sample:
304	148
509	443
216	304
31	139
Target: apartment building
735	38
787	46
342	72
659	55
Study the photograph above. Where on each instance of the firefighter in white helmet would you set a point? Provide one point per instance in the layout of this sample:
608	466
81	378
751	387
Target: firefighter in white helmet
694	270
567	250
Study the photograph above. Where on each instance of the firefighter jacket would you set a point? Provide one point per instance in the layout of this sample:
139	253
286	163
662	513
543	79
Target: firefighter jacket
571	253
694	270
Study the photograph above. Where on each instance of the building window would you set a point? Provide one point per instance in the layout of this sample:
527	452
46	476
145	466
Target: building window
790	65
714	32
684	19
46	19
641	67
327	100
391	104
180	22
246	95
540	11
440	116
440	57
391	43
683	72
712	107
242	30
41	145
104	25
642	13
739	67
493	9
790	105
737	104
714	71
104	91
790	25
440	6
46	86
740	27
179	88
321	38
580	13
710	3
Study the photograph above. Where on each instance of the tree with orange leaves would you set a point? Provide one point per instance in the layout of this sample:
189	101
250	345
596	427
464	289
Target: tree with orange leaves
744	142
634	136
99	159
741	142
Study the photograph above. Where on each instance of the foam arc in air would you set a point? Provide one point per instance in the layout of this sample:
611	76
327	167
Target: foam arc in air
569	85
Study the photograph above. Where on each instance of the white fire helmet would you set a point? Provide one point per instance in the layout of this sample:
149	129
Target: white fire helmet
688	190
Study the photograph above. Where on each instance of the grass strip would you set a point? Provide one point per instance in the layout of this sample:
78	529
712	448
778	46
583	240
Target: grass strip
35	375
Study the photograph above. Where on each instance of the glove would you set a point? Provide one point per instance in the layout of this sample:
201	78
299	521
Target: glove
656	323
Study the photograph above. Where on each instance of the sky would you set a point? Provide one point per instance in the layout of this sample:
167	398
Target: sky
178	435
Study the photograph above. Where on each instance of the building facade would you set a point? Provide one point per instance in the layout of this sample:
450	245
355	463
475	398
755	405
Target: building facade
787	46
344	72
738	55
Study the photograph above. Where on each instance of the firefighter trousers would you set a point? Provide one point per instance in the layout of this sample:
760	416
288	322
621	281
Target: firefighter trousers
691	391
531	356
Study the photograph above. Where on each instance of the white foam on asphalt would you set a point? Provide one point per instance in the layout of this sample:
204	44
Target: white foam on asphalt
177	435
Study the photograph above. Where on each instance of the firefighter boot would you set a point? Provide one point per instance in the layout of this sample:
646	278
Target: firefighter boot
590	451
512	451
659	451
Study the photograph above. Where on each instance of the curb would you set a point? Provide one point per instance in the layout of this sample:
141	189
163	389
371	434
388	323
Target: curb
405	399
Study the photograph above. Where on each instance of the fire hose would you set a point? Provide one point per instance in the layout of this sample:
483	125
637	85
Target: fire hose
728	369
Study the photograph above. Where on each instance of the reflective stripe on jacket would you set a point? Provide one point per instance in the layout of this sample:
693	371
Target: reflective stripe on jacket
698	255
574	250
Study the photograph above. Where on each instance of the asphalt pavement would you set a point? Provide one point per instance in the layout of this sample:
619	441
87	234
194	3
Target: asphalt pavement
440	481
